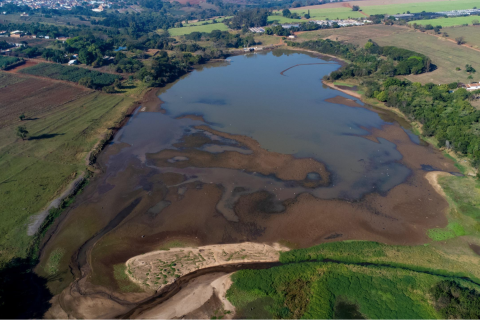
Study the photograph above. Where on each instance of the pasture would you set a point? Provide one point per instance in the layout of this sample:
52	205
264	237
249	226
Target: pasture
471	34
201	28
64	123
445	54
328	13
370	7
447	22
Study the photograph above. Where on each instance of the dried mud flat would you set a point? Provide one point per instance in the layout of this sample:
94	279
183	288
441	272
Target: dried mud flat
157	269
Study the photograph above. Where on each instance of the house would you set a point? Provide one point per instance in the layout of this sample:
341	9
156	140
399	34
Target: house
16	34
473	86
24	14
72	62
292	36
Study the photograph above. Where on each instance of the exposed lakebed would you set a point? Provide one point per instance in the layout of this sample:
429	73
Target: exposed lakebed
252	150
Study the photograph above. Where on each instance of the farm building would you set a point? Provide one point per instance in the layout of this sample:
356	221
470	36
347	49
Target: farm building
473	86
72	62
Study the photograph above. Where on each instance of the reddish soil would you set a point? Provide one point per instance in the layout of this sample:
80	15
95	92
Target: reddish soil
28	63
44	95
348	5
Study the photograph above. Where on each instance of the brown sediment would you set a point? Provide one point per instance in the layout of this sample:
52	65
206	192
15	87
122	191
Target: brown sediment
349	92
151	102
475	248
283	166
192	117
202	298
402	216
344	101
432	179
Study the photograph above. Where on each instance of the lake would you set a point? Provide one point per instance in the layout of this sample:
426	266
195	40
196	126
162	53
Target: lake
253	149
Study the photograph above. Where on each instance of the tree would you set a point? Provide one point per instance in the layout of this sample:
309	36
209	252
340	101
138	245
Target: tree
475	22
86	82
286	13
469	68
22	117
307	15
460	40
355	8
22	132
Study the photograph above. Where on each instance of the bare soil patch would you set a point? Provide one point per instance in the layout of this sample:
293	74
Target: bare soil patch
32	96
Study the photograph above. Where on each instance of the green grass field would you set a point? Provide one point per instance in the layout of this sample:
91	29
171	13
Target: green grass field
447	22
399	280
320	13
419	7
329	13
35	171
205	28
199	23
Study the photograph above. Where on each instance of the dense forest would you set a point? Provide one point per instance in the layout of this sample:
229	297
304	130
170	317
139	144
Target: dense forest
443	110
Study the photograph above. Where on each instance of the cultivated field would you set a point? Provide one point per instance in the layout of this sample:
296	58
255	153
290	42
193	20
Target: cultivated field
64	123
445	54
448	22
202	28
343	10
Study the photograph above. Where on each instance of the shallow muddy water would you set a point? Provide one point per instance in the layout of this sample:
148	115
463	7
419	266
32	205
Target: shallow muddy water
256	149
286	113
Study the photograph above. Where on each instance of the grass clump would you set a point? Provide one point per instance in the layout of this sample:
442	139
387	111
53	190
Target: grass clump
123	282
453	230
56	255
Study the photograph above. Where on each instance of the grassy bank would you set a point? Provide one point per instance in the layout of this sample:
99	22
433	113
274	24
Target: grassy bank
36	170
307	288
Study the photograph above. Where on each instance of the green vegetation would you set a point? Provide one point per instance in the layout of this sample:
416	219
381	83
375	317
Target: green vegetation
330	281
455	301
53	261
413	7
6	61
198	28
123	281
36	170
320	291
88	78
447	22
453	230
366	61
446	115
329	13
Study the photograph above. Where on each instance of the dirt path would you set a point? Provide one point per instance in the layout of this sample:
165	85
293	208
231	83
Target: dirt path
348	5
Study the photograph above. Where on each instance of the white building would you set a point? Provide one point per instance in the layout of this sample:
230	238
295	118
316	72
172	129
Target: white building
473	86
